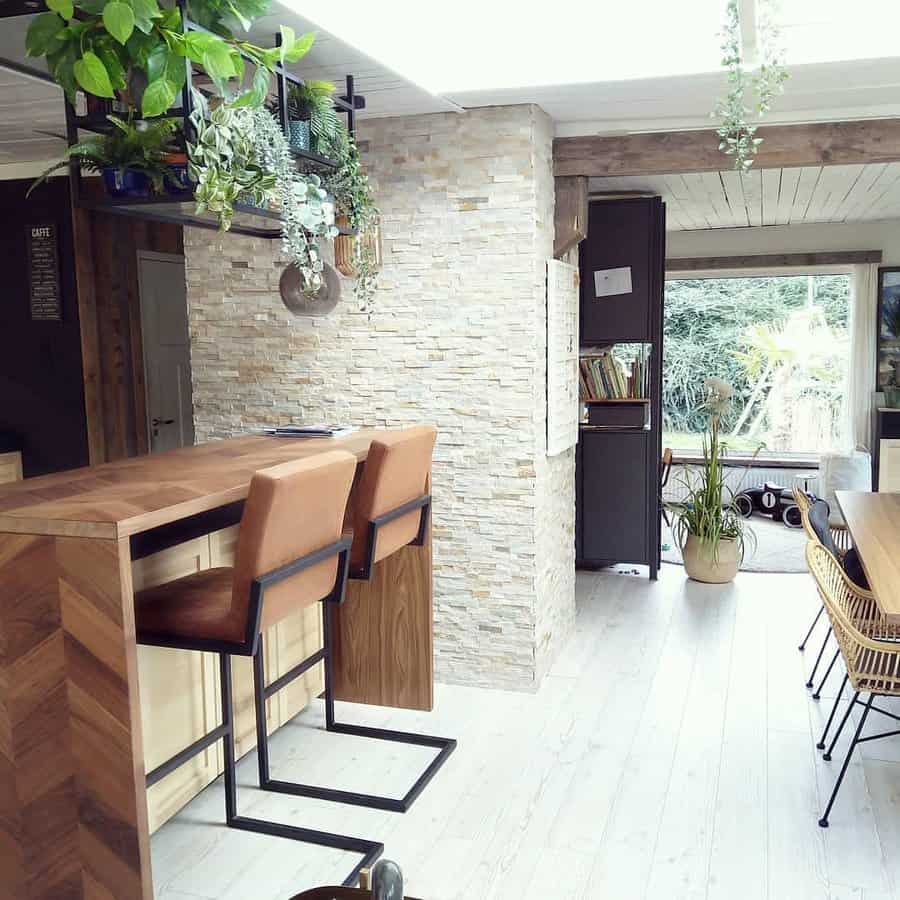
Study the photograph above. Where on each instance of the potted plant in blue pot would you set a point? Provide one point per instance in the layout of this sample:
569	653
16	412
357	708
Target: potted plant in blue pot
133	158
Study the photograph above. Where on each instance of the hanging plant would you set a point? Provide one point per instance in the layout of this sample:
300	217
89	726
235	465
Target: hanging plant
349	185
307	215
748	95
222	159
136	50
241	154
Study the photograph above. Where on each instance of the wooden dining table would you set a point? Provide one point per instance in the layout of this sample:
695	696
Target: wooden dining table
873	520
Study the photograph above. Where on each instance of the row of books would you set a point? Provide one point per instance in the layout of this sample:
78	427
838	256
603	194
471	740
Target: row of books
603	377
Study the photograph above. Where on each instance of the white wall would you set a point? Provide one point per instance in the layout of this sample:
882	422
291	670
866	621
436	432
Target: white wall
884	236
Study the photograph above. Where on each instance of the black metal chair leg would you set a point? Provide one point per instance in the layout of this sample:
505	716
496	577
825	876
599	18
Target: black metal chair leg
812	675
444	746
823	822
370	851
827	756
821	744
818	691
262	743
815	622
228	738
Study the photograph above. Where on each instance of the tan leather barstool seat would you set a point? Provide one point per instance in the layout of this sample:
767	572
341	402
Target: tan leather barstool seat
197	606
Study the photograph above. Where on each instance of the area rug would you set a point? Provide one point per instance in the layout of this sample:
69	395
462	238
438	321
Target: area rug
778	549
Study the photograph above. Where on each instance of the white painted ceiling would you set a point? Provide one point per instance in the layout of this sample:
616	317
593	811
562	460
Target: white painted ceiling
820	92
729	199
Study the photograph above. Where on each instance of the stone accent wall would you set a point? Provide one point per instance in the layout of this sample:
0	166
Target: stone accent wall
456	338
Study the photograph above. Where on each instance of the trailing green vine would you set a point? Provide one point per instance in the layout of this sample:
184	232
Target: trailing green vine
748	95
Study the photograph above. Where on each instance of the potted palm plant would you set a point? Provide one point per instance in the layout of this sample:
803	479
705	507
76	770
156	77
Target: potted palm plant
311	113
707	525
132	158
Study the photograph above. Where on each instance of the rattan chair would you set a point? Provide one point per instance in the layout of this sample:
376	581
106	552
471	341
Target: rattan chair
840	536
869	645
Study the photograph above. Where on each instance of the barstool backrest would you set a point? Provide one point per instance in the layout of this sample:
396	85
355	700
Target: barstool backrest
292	509
395	472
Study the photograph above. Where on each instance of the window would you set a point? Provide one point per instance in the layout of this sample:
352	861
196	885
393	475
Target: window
782	342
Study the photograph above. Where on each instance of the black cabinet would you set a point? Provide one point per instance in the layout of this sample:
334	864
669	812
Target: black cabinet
617	468
614	523
622	234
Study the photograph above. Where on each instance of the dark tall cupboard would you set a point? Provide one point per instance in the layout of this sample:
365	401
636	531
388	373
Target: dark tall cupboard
617	466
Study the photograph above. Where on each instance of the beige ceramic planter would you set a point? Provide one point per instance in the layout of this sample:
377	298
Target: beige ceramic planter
702	564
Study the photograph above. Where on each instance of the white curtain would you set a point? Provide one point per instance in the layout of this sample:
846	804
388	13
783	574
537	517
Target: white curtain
861	379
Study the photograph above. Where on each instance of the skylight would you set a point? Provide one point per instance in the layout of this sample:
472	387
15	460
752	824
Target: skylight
472	45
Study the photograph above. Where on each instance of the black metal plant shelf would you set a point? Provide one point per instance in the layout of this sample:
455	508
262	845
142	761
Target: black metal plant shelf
180	209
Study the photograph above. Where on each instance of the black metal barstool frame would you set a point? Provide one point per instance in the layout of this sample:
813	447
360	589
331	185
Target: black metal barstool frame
445	746
252	646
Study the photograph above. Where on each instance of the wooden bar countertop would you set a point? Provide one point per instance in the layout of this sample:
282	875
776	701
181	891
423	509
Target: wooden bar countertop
74	818
118	499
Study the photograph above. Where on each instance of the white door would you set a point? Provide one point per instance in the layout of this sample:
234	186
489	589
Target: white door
167	353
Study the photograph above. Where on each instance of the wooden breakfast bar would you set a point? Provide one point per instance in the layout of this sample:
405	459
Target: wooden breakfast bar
73	805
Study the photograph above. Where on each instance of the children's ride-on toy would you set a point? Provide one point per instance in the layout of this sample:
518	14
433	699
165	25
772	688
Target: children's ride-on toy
769	500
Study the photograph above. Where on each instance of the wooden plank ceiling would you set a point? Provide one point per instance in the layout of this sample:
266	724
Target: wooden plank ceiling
728	199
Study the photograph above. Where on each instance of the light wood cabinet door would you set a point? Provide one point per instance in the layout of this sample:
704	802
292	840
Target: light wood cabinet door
10	467
179	694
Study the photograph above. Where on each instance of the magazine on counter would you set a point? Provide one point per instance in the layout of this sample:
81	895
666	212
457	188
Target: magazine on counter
311	431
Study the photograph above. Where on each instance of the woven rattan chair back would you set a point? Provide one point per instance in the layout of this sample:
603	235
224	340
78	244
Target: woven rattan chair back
873	664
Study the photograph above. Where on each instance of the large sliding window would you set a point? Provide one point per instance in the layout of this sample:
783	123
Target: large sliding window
782	342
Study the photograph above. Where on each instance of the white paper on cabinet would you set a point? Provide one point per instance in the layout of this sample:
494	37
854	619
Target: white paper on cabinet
612	282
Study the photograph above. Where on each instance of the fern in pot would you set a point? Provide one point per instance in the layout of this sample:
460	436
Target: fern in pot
311	114
707	525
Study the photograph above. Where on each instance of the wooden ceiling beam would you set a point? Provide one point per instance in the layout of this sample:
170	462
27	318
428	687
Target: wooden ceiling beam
571	214
672	152
773	260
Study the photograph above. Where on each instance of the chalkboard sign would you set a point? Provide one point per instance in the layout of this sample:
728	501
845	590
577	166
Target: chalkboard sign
43	273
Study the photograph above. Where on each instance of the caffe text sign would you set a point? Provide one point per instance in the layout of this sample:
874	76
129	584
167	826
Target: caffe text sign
43	273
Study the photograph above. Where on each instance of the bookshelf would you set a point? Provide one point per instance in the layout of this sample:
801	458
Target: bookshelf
620	379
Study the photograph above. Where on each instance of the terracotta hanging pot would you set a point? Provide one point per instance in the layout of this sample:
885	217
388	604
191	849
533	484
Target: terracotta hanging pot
345	246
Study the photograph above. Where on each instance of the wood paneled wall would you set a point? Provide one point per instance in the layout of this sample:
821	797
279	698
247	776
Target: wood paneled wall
106	248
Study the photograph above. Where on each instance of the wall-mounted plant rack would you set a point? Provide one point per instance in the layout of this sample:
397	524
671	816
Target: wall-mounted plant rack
180	209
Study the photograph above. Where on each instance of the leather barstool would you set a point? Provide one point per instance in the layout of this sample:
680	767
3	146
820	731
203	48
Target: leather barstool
291	552
389	510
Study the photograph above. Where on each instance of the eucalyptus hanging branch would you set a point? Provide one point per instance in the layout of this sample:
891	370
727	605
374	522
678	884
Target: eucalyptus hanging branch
748	94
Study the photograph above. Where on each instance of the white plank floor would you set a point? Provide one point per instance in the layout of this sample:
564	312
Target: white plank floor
669	754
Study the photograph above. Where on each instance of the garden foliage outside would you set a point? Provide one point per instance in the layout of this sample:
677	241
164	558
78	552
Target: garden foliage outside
781	342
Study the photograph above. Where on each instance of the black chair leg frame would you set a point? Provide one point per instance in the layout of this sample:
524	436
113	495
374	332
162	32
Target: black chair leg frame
445	746
812	675
369	850
868	707
251	646
808	634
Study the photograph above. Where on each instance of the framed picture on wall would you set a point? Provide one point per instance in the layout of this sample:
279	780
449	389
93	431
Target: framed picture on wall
888	341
